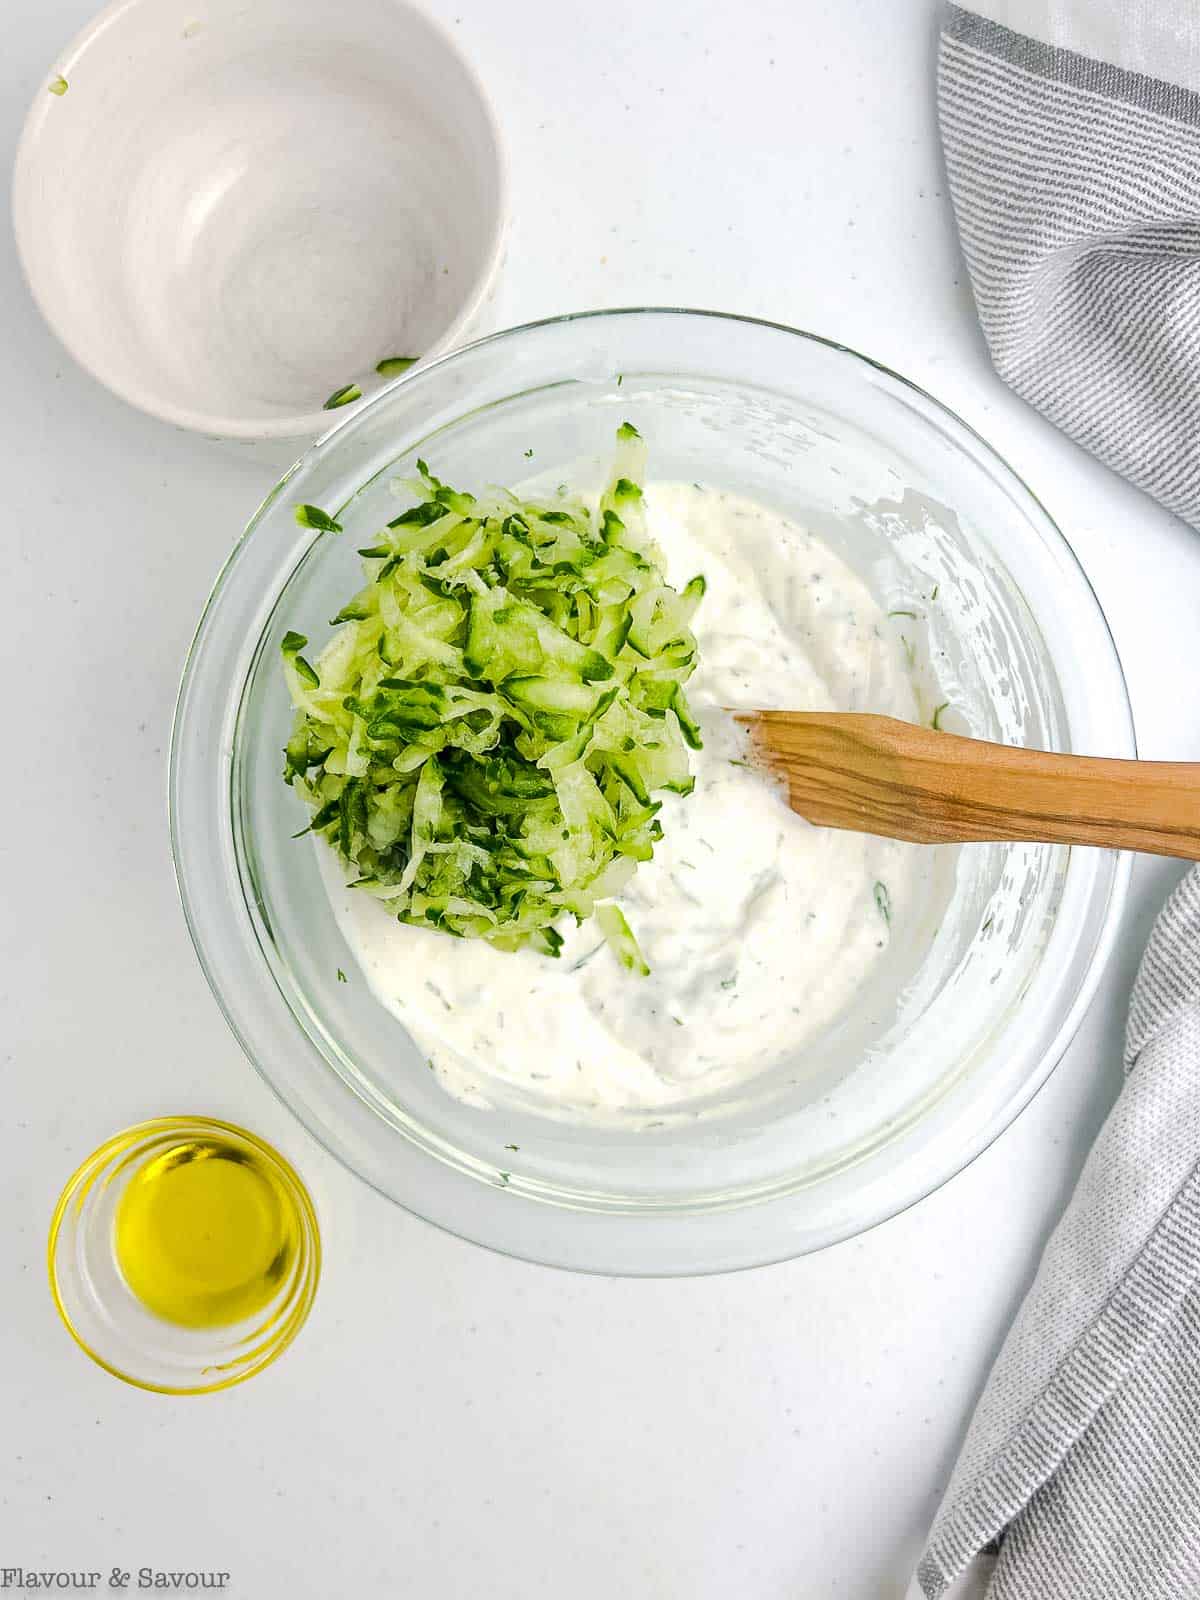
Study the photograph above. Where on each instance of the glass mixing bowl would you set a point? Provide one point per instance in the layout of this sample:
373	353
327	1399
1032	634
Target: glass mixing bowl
883	1114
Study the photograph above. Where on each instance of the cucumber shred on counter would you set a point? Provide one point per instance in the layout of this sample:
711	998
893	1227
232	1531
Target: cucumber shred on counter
483	737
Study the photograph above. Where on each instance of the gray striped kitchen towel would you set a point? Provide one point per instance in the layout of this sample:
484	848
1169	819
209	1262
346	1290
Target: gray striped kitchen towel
1080	1475
1071	130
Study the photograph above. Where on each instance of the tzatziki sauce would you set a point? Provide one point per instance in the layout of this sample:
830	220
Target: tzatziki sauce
761	931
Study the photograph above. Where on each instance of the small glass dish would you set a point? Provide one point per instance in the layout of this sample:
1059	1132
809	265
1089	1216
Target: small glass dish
113	1325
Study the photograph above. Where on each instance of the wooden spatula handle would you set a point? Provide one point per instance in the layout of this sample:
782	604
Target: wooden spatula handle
879	775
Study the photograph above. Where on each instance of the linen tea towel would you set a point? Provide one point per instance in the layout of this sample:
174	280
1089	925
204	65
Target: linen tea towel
1083	1457
1071	132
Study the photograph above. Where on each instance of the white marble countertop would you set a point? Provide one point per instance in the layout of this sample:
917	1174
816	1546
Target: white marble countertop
452	1423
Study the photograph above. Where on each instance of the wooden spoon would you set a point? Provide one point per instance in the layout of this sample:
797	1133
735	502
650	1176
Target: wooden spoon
878	775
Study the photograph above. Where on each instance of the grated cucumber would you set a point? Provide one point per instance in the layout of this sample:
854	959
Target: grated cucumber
483	737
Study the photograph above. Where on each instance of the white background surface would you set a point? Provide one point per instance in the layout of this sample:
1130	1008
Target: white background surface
451	1423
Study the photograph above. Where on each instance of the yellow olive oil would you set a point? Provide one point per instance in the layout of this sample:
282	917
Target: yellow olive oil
205	1234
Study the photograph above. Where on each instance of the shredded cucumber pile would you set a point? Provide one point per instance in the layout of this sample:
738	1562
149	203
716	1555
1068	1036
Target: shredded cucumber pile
483	738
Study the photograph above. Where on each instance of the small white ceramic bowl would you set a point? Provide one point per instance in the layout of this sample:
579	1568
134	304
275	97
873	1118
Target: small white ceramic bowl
234	211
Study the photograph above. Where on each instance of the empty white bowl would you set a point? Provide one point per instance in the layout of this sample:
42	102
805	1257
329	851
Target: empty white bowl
234	211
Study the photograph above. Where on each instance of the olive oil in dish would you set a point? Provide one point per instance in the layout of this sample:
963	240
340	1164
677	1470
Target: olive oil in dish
205	1233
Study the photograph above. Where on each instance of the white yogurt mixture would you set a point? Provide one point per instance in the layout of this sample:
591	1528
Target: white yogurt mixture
761	931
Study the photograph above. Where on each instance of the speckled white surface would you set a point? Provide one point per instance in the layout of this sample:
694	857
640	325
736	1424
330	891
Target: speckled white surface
451	1422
